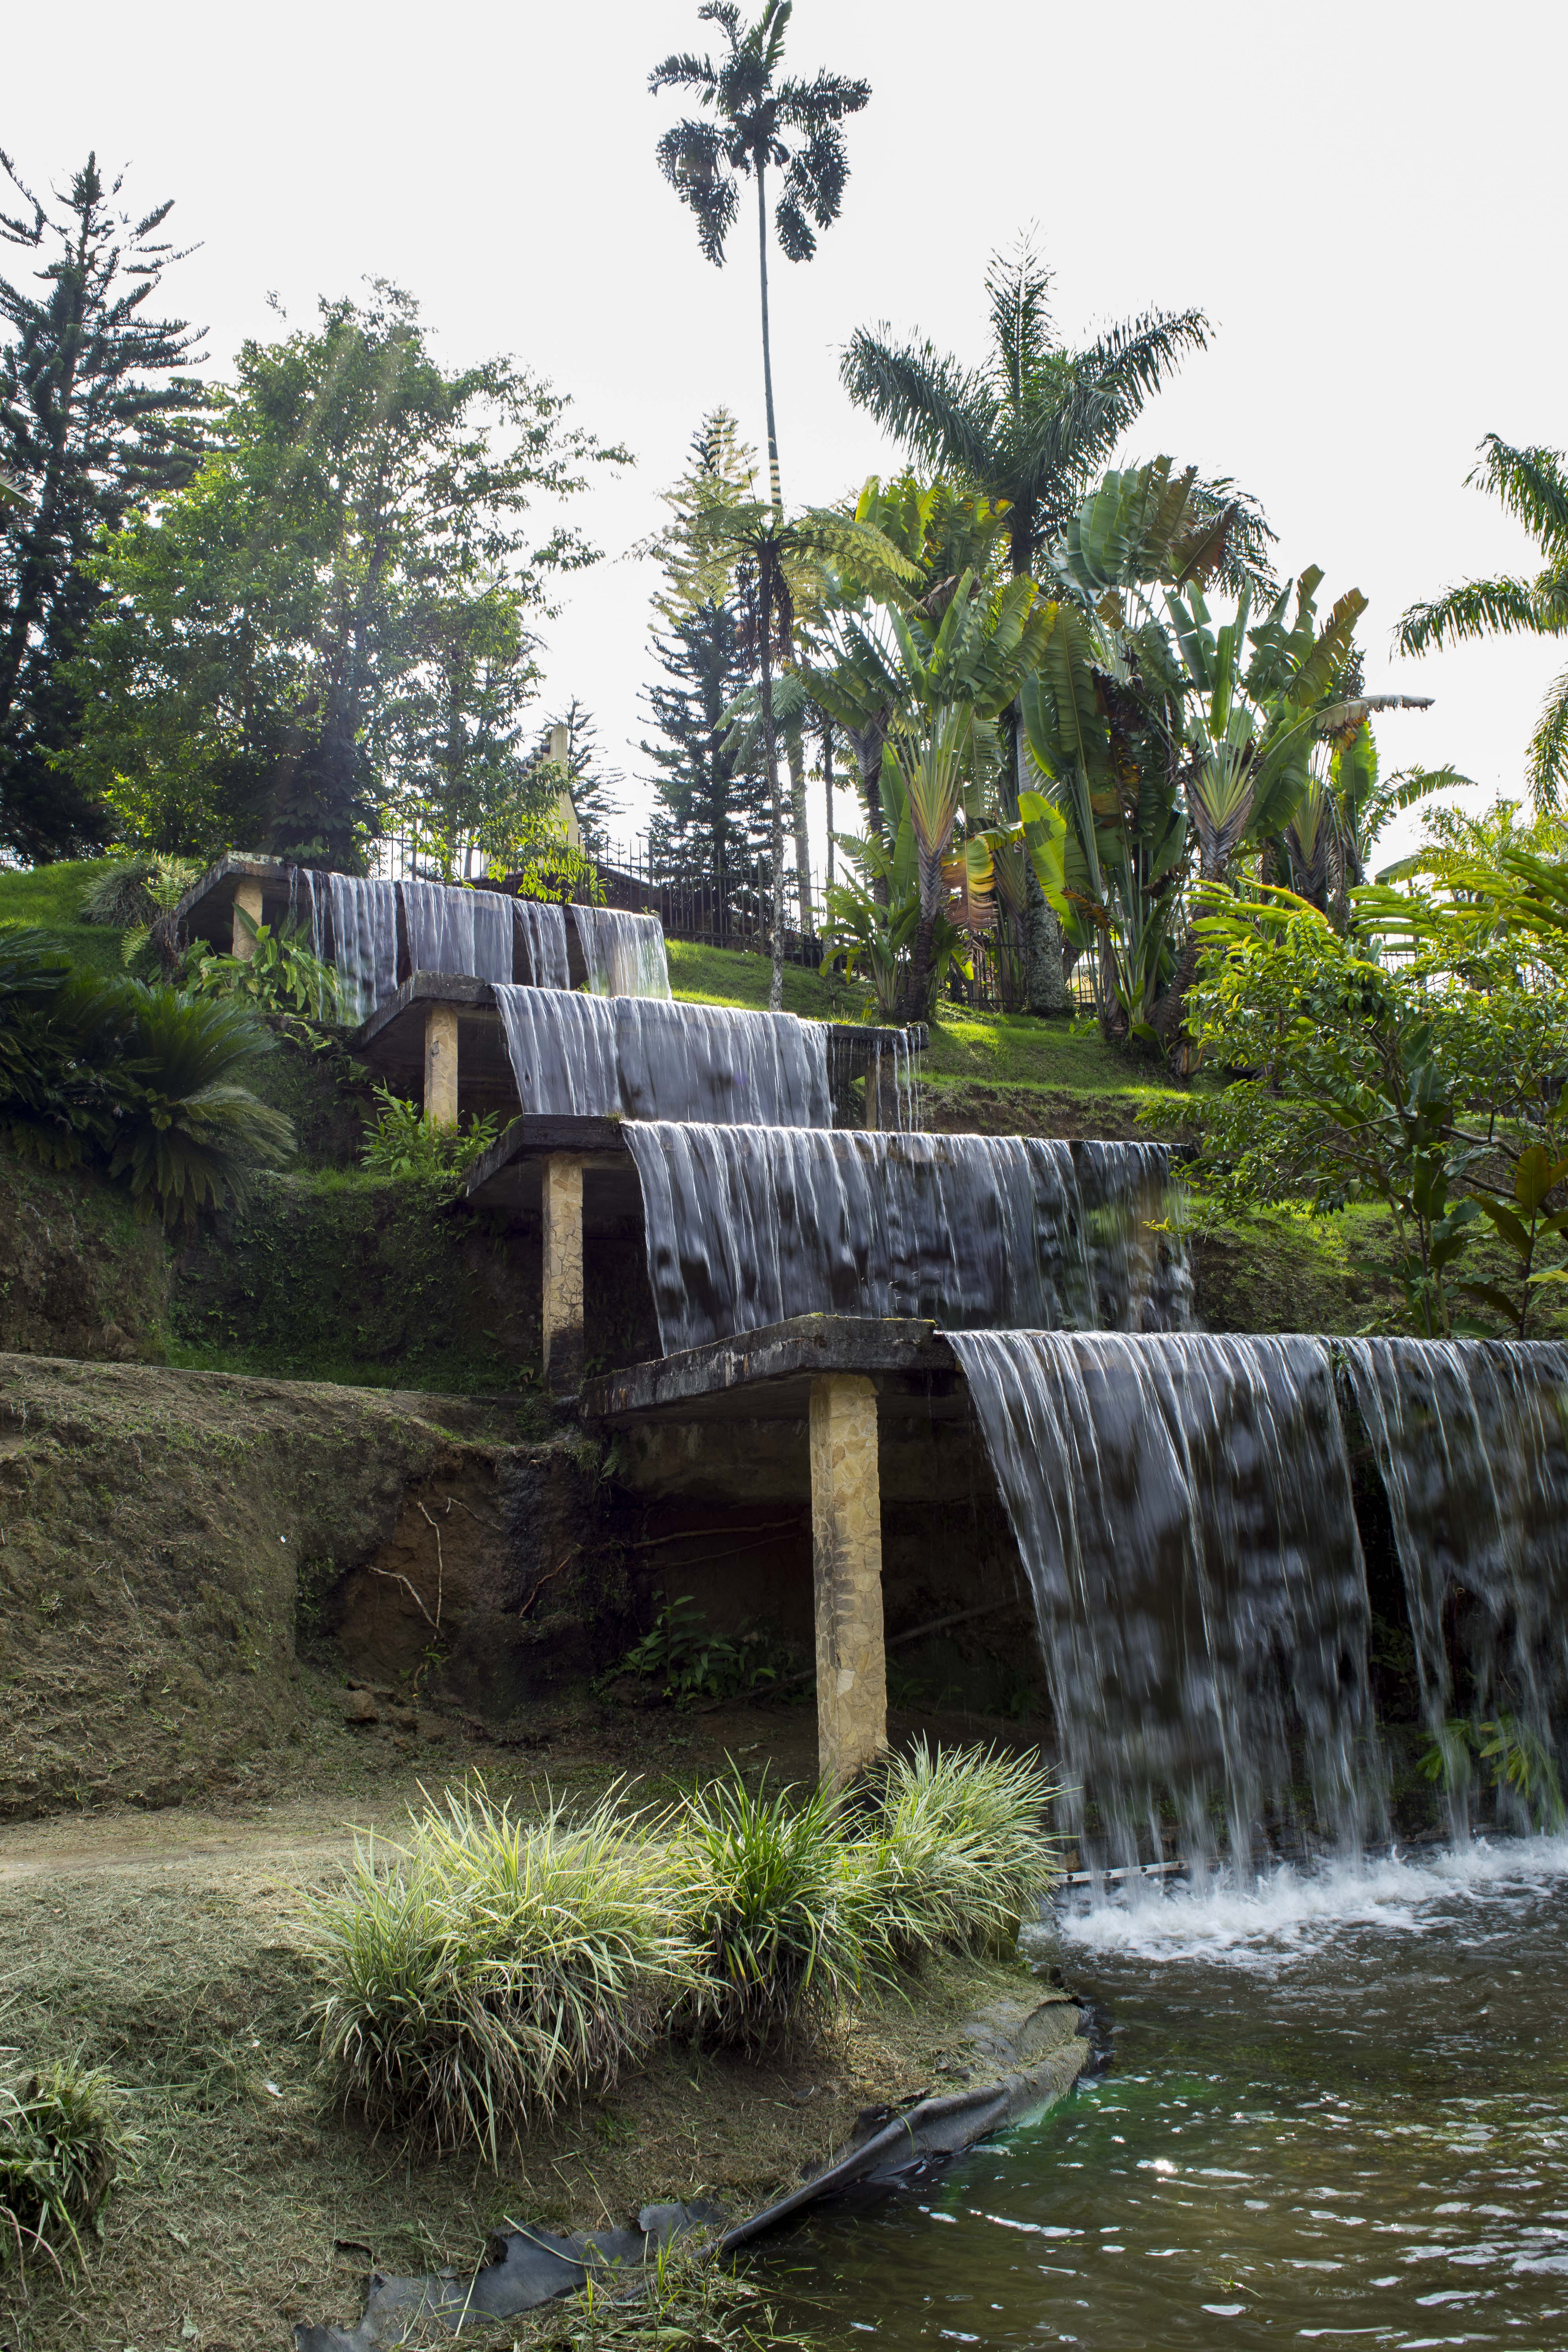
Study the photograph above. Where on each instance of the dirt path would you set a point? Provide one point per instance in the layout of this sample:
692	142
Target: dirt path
133	1845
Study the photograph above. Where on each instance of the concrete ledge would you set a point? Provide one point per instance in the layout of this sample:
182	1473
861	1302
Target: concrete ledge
723	1379
207	908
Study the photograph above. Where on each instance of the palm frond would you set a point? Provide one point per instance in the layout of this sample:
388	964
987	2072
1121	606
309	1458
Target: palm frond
1017	288
1549	746
1529	483
691	157
941	412
1481	608
1131	361
683	70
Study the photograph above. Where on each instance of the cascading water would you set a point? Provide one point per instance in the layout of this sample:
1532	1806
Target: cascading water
453	929
625	953
602	1057
543	927
1471	1439
1183	1511
749	1225
364	940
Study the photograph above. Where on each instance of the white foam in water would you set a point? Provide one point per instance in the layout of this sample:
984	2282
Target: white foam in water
1291	1912
625	953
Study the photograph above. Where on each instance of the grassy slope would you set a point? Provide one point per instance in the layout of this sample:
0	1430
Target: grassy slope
51	896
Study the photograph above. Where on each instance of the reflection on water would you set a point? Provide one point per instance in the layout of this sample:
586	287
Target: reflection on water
1338	2115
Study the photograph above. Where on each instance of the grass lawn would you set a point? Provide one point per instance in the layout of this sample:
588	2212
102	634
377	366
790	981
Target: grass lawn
50	896
992	1049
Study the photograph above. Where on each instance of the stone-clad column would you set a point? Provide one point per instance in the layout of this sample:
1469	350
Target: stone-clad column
247	895
563	1294
846	1550
441	1064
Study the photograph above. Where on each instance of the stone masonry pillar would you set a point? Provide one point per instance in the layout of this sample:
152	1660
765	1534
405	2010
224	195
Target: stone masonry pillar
441	1064
246	895
846	1560
562	1289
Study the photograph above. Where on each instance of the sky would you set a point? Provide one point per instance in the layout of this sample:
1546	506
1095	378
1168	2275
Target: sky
1363	198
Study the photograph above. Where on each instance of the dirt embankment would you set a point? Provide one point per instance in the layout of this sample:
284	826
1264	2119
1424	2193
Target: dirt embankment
255	2203
176	1548
79	1275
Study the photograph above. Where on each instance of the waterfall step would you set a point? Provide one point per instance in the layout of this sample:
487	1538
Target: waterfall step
767	1374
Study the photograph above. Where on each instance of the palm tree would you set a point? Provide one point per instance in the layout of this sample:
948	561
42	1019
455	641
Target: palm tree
1532	485
759	121
1034	425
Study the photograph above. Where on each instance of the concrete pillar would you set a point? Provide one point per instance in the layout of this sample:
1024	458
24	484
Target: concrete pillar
847	1562
441	1064
247	895
563	1288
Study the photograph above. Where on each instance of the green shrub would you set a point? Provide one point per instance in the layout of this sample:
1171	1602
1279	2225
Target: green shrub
779	1904
491	1967
281	977
955	1848
403	1141
61	2142
690	1661
143	1078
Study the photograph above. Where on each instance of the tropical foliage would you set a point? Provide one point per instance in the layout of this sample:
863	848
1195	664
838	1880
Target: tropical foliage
1414	1059
1532	486
403	1141
143	1081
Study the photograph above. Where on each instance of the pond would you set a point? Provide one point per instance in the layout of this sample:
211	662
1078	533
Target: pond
1336	2113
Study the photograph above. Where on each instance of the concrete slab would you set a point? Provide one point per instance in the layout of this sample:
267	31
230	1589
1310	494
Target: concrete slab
766	1375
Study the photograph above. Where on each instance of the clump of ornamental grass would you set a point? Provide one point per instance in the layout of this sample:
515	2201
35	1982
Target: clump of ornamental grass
778	1902
491	1966
955	1848
61	2142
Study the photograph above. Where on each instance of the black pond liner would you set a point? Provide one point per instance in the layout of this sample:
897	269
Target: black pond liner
529	2267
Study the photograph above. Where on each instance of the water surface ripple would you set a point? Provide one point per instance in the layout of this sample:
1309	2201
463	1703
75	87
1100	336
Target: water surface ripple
1338	2115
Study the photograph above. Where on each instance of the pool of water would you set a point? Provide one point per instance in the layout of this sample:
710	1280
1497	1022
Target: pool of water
1336	2113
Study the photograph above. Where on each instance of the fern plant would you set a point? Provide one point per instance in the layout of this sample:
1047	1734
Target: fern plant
403	1141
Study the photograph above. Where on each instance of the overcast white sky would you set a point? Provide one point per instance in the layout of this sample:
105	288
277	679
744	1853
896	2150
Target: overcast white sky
1366	198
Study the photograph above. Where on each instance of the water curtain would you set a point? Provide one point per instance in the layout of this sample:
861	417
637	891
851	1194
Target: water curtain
543	927
1183	1508
364	938
749	1225
1471	1439
625	953
600	1056
453	929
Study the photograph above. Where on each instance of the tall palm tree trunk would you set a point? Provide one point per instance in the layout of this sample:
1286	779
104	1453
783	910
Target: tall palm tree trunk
767	344
775	801
794	749
827	789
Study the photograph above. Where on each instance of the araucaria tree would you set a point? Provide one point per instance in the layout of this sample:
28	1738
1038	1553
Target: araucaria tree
97	418
1532	484
331	627
760	122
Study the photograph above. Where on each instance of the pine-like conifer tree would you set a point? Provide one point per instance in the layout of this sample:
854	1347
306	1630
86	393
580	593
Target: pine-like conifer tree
97	418
713	816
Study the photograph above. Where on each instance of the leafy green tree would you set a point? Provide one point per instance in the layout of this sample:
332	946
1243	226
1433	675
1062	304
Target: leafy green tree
1532	486
760	122
334	617
97	418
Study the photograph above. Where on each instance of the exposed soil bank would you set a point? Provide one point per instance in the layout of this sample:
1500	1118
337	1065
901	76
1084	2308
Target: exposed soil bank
256	2206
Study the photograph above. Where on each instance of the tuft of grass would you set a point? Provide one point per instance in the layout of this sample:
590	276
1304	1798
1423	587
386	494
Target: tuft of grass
492	1967
61	2142
686	2299
956	1849
776	1898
